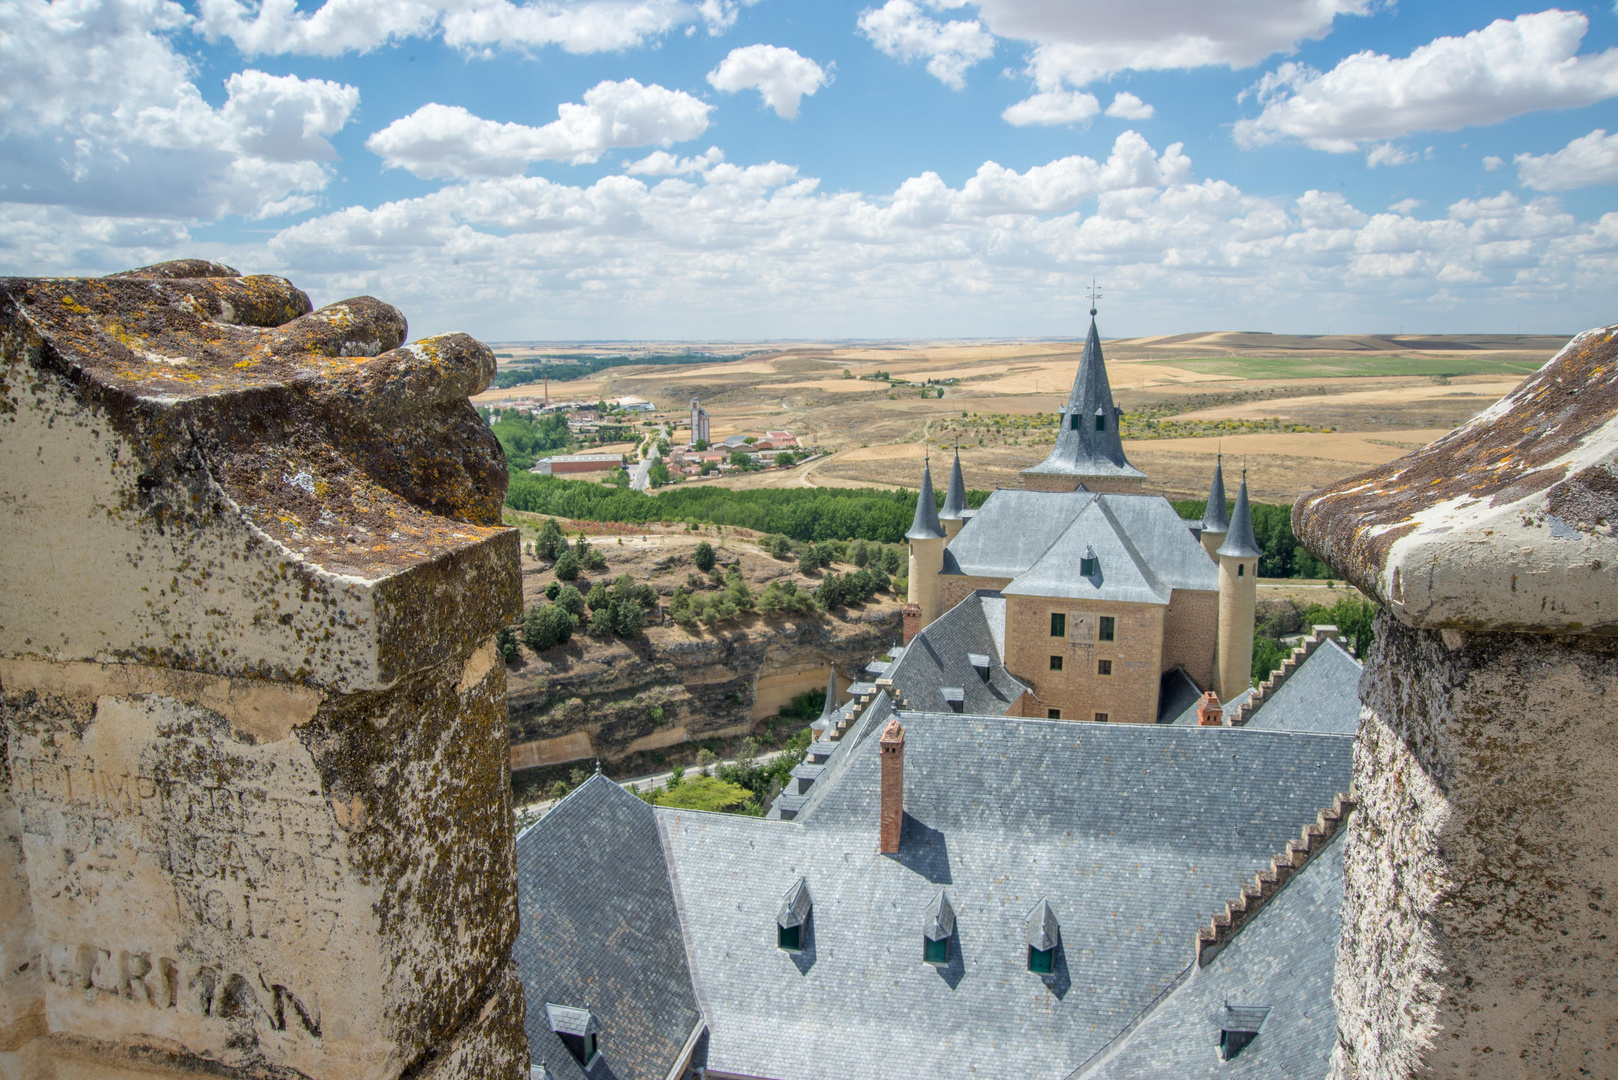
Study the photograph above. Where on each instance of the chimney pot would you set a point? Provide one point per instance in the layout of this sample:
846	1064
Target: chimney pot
1209	712
892	749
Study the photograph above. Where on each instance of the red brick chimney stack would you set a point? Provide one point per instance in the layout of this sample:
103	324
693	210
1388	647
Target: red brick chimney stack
892	746
912	618
1209	713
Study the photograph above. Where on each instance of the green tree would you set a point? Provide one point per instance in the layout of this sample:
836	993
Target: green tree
700	445
506	641
570	600
893	560
551	541
785	460
862	553
627	618
567	566
658	474
704	556
781	547
599	597
553	590
741	459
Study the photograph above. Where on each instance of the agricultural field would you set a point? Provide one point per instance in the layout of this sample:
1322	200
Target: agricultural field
1299	411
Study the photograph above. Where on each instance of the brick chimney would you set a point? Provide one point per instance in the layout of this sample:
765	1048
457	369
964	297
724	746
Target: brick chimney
1209	713
892	746
912	617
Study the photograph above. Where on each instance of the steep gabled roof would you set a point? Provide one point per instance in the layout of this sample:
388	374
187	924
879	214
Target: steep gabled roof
1012	529
940	656
1121	572
1283	959
1080	449
1322	695
592	872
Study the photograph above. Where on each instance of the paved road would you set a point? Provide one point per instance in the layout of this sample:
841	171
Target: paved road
638	478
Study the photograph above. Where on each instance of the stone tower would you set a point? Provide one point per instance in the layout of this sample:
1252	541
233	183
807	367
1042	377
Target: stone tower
927	541
255	802
953	515
1238	597
1089	450
1481	867
1215	518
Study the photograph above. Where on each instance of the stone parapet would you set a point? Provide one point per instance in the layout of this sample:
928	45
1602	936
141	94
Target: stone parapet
1480	869
255	817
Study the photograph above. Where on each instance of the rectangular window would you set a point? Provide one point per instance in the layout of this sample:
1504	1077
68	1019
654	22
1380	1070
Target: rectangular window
1101	423
936	952
1058	624
1053	714
1103	667
1101	718
1056	663
1041	961
1108	625
789	938
1073	422
1087	567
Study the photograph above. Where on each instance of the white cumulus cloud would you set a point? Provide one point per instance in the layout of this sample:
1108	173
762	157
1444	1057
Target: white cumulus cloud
99	111
663	163
1503	70
781	76
1586	161
1126	106
1389	154
901	29
343	26
1052	107
447	140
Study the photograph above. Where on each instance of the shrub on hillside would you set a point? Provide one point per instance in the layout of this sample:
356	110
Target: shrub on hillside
704	556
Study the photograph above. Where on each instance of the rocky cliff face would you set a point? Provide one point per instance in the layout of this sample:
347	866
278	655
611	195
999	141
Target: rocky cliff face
612	698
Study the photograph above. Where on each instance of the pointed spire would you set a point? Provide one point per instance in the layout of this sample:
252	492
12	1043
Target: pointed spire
925	526
1088	443
1216	519
831	694
1240	542
955	498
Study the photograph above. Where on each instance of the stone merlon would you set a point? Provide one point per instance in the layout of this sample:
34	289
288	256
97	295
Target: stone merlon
323	474
1507	523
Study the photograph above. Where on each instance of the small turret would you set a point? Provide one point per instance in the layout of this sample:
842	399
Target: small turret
1238	599
953	516
1215	519
926	538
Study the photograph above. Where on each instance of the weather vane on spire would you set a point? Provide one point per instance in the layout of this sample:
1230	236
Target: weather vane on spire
1095	294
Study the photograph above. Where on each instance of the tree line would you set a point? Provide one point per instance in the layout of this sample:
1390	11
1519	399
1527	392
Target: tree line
1282	555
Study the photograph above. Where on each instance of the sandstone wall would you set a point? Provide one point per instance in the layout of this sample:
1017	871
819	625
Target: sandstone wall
255	817
1190	631
955	589
1128	695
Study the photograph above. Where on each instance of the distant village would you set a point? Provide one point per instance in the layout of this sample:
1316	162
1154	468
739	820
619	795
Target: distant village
692	456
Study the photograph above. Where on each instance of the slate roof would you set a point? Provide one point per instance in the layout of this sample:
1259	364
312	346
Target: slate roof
925	525
1177	692
600	931
1109	823
1284	959
1080	449
1037	539
940	656
1322	695
955	497
1216	515
1188	716
1239	542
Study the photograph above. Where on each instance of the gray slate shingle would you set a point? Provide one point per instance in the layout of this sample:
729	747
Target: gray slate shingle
1322	695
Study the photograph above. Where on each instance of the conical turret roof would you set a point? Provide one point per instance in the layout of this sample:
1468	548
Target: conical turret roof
1216	519
831	694
925	525
1240	542
1088	442
955	497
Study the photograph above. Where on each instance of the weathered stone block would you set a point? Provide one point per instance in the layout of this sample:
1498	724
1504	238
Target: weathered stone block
256	814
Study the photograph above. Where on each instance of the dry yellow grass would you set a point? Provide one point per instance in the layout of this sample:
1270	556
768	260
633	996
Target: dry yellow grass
1356	448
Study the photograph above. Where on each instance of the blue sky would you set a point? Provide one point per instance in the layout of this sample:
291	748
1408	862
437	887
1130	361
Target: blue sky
909	168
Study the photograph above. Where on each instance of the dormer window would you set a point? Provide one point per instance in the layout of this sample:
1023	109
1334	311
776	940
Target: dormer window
1044	935
577	1028
1088	563
954	697
793	918
1073	421
1101	420
1238	1026
980	664
937	931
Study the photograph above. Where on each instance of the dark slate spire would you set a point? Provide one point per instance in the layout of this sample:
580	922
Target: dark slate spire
926	526
1088	443
955	498
1215	519
831	694
1240	542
